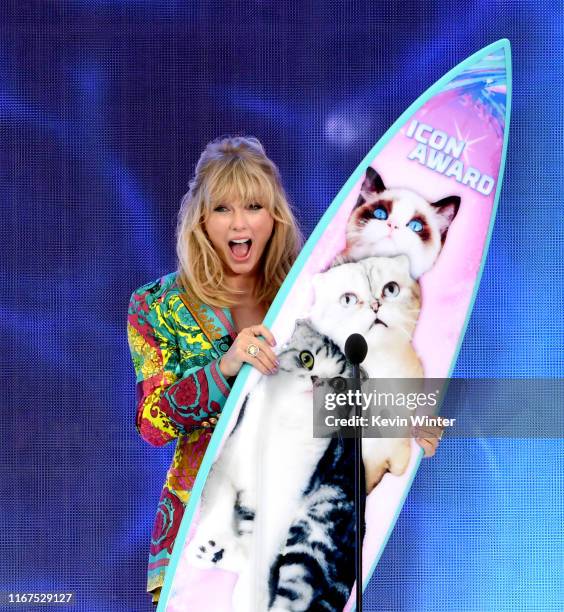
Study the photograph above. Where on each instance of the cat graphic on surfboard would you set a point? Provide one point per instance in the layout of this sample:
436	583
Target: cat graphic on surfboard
393	237
396	257
399	235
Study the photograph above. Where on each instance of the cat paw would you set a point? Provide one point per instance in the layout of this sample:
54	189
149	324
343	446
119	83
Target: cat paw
381	455
399	459
219	552
206	553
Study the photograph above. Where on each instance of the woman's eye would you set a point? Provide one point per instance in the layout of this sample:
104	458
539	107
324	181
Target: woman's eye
348	299
220	208
391	289
415	225
307	360
255	206
380	213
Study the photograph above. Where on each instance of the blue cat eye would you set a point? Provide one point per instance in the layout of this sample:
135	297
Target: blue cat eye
415	225
380	213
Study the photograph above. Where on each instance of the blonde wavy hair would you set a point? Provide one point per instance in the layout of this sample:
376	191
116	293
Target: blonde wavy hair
229	168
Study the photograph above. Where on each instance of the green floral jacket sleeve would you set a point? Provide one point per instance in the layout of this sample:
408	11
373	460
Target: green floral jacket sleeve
179	384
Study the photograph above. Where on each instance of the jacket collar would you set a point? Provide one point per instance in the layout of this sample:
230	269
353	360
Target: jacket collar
216	323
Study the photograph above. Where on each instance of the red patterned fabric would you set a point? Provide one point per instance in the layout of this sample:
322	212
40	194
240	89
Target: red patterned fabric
180	393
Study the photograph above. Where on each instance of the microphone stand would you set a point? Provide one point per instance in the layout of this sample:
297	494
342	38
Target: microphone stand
355	351
358	490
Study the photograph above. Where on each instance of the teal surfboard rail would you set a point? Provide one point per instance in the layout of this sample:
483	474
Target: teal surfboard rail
500	45
504	45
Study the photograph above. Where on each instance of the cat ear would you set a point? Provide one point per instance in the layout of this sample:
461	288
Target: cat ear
372	183
447	208
316	281
339	260
302	325
404	261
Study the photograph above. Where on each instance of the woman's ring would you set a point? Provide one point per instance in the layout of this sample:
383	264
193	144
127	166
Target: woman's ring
253	350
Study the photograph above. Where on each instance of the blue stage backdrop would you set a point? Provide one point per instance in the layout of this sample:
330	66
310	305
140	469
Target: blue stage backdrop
104	108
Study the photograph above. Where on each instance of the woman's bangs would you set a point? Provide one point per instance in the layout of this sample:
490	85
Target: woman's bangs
242	184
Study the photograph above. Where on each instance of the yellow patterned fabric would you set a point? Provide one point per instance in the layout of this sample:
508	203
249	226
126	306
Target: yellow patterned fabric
175	343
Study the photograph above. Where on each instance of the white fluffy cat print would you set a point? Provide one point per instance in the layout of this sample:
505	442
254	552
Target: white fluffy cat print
378	298
255	485
396	221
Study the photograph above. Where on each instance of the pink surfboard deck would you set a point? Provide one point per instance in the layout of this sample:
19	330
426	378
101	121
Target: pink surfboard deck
452	140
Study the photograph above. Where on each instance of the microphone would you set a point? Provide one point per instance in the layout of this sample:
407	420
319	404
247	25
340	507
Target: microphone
355	351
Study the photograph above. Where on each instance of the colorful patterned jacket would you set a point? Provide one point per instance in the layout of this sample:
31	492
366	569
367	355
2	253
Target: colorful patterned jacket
176	342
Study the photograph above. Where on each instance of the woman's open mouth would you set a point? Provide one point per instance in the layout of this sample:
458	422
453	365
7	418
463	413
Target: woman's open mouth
240	249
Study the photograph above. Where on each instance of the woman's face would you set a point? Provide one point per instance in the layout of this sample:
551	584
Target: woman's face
239	233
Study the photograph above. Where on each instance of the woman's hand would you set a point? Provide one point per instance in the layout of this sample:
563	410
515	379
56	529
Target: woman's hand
263	360
428	438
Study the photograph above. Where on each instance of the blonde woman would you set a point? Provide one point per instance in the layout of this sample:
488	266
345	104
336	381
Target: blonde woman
191	331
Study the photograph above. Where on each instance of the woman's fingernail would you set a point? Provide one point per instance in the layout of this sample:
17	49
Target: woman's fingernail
277	363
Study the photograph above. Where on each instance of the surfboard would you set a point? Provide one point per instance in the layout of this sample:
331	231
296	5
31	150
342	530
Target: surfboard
445	155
